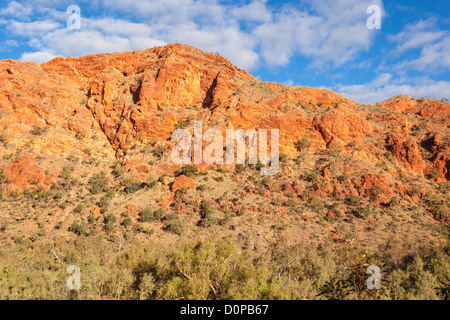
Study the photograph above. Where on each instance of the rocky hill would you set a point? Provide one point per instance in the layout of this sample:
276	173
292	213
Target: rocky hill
90	137
86	178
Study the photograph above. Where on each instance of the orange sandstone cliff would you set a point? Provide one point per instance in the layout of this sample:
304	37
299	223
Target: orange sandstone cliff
123	107
134	99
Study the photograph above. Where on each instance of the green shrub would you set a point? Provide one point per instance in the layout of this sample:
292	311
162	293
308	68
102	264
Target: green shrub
127	222
394	202
239	168
354	200
302	144
159	151
207	208
91	218
134	187
66	171
146	215
117	170
105	201
151	182
79	208
189	171
3	137
184	123
2	176
176	226
311	176
208	217
38	130
18	240
87	151
78	229
159	213
210	220
109	221
283	157
171	216
98	182
444	288
63	205
226	220
79	135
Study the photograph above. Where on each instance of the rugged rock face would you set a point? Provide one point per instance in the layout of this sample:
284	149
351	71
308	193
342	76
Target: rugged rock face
124	104
182	182
407	151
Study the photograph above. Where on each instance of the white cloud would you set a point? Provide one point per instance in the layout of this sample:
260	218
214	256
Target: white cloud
255	11
66	43
207	25
288	82
416	35
110	26
11	43
171	12
17	10
229	42
433	43
385	87
435	57
32	29
333	31
38	57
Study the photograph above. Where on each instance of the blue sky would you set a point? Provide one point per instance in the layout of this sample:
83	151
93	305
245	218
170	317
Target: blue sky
306	42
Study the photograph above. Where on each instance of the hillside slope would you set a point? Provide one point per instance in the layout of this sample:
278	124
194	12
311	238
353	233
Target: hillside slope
85	152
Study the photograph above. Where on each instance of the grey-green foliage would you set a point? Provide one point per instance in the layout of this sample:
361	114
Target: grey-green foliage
218	267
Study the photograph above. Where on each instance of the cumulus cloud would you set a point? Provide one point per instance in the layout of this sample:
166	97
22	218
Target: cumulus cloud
386	86
32	29
10	43
416	35
332	31
255	11
66	43
433	45
434	57
38	57
207	25
17	10
419	47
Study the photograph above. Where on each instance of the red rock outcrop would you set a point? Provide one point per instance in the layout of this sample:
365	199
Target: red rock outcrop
134	100
181	182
